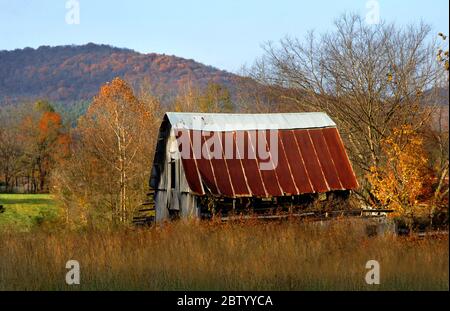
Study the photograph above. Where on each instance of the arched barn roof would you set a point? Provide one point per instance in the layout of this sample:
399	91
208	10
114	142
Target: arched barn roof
305	151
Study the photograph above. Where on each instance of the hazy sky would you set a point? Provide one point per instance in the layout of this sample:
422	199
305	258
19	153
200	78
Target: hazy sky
225	34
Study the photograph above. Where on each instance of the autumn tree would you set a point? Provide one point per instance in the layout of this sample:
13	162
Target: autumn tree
368	78
52	144
437	130
404	179
32	137
45	140
254	97
10	152
442	54
436	143
106	175
187	98
214	98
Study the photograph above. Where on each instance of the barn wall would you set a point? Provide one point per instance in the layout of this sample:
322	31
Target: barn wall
162	212
179	199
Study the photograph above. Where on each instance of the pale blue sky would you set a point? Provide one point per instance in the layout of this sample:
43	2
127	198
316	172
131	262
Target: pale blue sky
225	34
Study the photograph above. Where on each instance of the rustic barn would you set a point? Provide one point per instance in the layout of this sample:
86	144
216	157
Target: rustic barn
208	163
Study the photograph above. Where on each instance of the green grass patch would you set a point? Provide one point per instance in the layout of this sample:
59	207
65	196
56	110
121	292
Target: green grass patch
22	212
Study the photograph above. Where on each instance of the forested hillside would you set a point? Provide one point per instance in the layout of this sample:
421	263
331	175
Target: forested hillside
74	73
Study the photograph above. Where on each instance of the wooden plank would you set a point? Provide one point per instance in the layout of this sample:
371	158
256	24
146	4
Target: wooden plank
142	217
146	209
266	216
320	214
148	203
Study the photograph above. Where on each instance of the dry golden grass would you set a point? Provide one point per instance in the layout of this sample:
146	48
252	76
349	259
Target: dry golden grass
206	256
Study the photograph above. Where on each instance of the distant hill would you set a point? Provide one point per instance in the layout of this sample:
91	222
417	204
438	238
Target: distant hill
74	73
439	99
436	96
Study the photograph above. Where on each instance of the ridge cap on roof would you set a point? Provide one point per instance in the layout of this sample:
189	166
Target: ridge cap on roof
248	121
245	113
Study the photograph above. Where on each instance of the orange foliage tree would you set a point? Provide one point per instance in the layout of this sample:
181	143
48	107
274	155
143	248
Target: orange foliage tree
404	178
107	173
52	144
43	140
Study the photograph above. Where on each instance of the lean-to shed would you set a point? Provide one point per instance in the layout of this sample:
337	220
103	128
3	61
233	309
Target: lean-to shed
206	160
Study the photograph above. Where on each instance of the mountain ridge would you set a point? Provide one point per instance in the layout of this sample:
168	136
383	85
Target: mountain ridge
72	73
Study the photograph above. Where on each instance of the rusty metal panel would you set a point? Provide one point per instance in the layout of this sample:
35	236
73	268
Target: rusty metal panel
234	165
204	167
283	168
269	178
192	175
190	165
311	162
250	165
222	176
340	158
325	159
296	162
308	161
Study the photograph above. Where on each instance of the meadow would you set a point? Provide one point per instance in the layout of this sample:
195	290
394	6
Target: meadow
249	255
22	212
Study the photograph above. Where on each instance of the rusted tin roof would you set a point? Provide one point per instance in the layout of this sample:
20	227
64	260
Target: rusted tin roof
309	154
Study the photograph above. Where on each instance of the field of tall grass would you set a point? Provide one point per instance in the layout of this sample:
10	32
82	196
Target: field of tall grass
209	256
